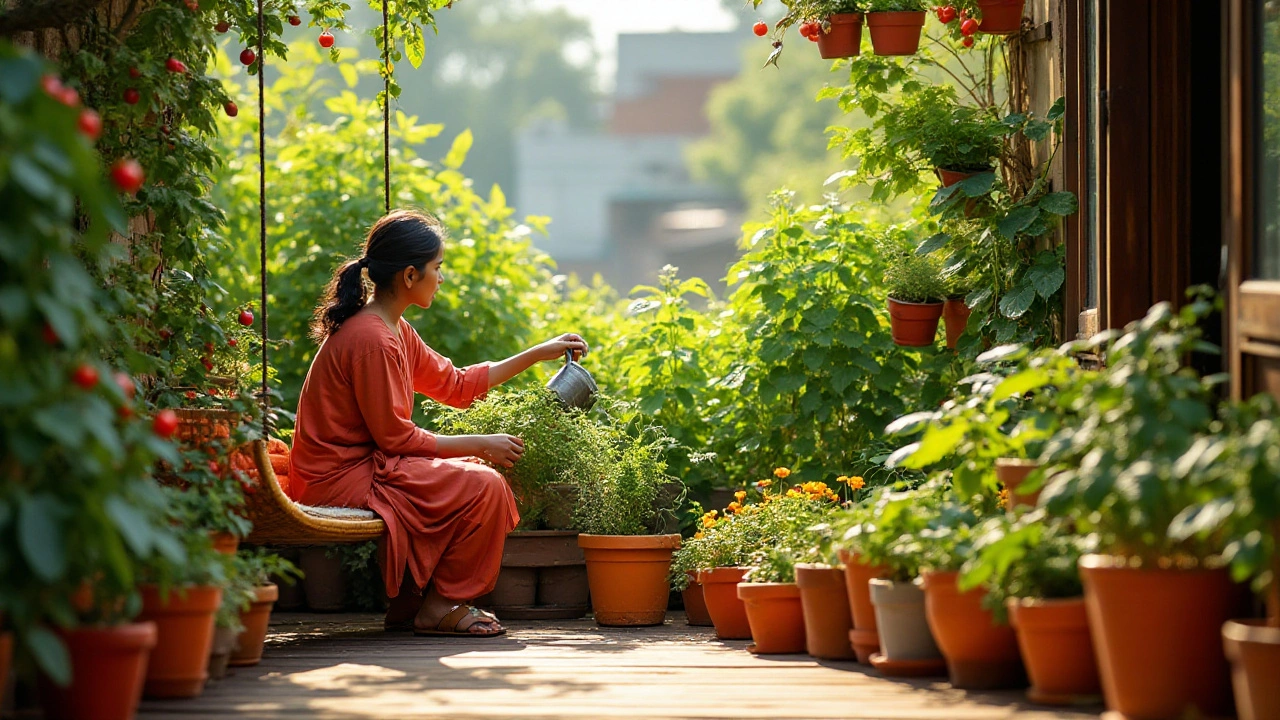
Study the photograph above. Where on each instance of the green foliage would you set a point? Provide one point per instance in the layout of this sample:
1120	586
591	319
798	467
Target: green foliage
247	571
910	276
366	588
1030	556
559	446
874	6
625	499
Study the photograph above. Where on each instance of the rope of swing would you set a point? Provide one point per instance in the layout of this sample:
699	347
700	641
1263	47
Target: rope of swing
262	212
386	111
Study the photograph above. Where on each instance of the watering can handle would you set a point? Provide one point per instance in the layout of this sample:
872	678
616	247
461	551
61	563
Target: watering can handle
568	356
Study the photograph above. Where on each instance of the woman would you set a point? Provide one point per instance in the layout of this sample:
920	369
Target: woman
355	443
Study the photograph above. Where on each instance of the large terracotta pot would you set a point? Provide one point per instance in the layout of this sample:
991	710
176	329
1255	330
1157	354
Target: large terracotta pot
956	316
248	645
1000	17
1054	638
980	653
776	617
896	33
864	636
1011	473
728	614
695	605
1254	652
184	626
907	647
108	665
1158	637
628	576
844	39
914	324
827	619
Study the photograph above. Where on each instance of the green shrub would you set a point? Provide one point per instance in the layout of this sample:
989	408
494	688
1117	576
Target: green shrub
910	276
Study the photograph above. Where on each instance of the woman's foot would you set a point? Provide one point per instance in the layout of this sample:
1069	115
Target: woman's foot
441	615
404	607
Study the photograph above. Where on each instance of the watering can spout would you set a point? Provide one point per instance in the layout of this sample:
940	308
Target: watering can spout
573	385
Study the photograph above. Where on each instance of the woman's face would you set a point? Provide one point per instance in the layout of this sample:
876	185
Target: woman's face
423	286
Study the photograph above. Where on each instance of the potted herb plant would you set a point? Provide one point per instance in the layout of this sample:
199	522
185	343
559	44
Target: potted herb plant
715	560
259	567
895	26
772	601
1027	566
915	288
627	565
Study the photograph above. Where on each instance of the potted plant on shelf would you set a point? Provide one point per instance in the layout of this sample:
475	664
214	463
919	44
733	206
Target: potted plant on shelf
895	26
1027	565
915	288
627	565
1156	599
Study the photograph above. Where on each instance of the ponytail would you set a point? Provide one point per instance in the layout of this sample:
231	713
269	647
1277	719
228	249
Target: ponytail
401	239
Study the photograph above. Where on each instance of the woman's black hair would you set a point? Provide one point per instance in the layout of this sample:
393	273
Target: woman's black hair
400	239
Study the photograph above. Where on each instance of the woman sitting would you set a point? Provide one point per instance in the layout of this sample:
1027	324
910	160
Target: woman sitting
355	443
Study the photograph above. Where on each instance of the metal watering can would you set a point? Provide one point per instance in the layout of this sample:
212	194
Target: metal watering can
573	385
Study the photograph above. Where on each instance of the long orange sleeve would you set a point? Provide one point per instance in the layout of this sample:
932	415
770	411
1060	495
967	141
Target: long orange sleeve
435	376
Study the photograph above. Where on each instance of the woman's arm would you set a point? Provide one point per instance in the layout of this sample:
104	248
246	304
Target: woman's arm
501	450
500	372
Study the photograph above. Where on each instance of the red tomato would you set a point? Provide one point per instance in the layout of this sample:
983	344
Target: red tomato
968	27
127	174
222	26
326	39
175	65
50	335
135	73
948	14
246	317
69	97
86	376
208	364
52	85
231	109
125	383
232	342
125	412
90	124
132	96
968	41
165	423
761	28
191	394
294	20
247	56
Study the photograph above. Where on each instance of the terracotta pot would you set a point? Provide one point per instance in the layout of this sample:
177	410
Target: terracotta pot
827	618
1158	637
728	613
914	324
225	542
1254	651
184	626
1011	472
695	605
1000	17
980	654
628	576
956	316
108	665
864	637
515	587
6	662
776	616
1054	638
324	583
906	643
844	38
248	645
951	177
224	641
895	33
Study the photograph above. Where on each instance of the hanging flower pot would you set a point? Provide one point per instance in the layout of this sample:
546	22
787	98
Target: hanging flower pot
695	605
728	613
775	615
248	645
1012	472
951	177
1254	651
843	39
864	636
1000	17
628	576
108	667
1053	636
184	624
895	33
827	620
914	324
955	314
907	648
1158	637
980	653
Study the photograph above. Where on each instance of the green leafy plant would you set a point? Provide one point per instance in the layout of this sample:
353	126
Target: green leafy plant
875	6
623	499
910	276
1030	556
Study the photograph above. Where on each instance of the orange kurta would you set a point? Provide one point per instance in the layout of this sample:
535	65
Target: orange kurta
355	445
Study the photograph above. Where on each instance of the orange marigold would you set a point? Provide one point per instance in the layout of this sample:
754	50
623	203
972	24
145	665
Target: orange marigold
698	535
856	482
781	473
762	484
1003	502
740	495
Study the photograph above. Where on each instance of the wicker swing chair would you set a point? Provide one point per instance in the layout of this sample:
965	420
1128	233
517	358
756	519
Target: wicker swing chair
277	519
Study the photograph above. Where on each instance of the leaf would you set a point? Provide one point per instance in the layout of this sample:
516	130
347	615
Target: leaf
932	243
910	423
40	536
978	185
17	79
653	403
1017	302
50	654
937	443
458	151
1059	203
414	47
1017	221
1003	352
901	454
836	177
978	298
1019	383
1046	280
132	524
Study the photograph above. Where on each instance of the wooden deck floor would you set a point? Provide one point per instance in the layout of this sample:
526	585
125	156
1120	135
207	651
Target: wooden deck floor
344	666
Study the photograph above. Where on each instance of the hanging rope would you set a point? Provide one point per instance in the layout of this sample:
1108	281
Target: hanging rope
262	212
386	111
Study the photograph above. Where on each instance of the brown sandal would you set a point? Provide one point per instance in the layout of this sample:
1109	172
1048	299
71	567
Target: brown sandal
448	624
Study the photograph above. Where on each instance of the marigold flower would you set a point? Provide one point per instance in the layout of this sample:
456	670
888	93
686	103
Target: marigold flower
1003	502
697	535
762	484
842	479
793	493
857	483
708	522
740	495
734	507
781	473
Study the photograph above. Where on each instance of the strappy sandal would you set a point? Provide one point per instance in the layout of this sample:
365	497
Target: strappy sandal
448	624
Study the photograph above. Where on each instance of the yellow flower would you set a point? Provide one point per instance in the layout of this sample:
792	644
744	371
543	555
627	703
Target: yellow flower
762	484
740	495
842	479
733	507
1003	503
793	493
697	535
781	473
708	521
857	483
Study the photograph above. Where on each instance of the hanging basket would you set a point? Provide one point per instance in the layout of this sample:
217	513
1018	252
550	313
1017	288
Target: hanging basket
199	427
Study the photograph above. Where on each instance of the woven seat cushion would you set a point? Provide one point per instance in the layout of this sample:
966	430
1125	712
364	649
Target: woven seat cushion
338	513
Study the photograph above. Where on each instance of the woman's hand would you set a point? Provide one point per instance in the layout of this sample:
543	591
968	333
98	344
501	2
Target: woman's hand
501	450
554	349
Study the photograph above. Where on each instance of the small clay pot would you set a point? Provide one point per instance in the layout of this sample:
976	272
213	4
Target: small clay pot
896	33
980	653
864	636
179	664
1053	636
224	641
827	619
728	613
628	577
695	605
955	315
1012	472
1254	651
225	542
776	616
914	324
1000	17
907	647
249	643
844	39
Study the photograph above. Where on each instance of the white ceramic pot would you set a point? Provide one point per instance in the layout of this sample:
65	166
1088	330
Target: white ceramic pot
900	619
